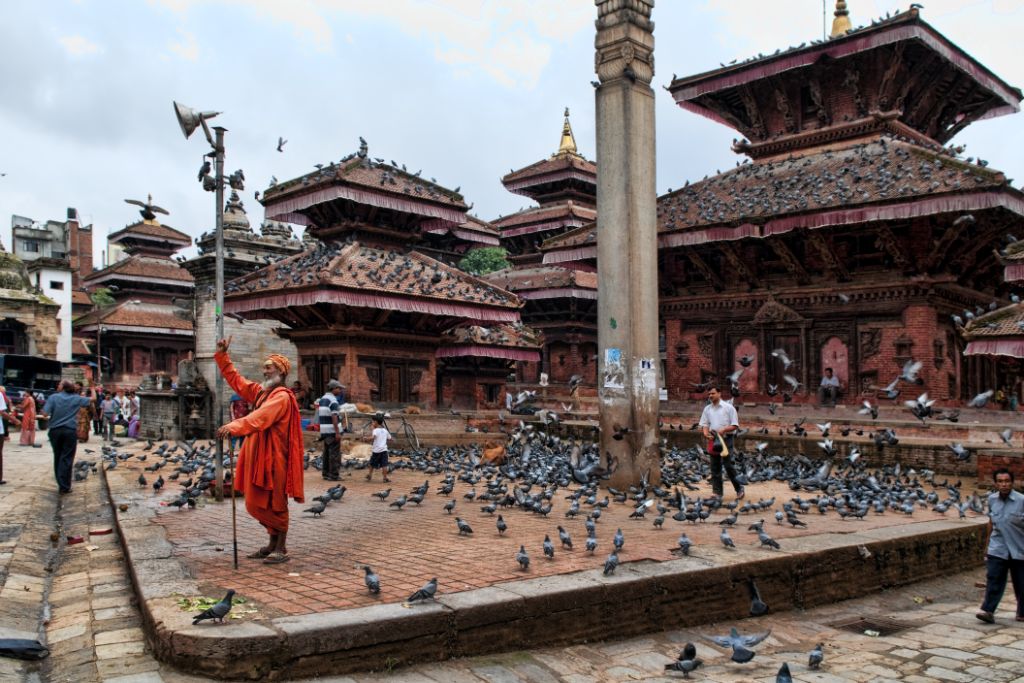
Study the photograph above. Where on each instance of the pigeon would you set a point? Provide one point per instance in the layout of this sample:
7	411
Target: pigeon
726	539
204	170
784	676
767	541
816	656
684	665
564	537
783	357
523	558
1007	436
371	580
549	548
142	480
960	453
981	399
869	409
591	544
741	654
382	494
611	563
464	527
449	506
217	612
910	370
618	540
426	593
502	527
757	605
281	142
399	502
317	509
685	544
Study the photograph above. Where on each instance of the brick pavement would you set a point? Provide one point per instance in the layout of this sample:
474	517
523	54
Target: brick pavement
408	547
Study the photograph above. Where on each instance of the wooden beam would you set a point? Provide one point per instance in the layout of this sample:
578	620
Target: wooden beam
382	317
789	260
832	262
941	248
887	241
738	265
705	270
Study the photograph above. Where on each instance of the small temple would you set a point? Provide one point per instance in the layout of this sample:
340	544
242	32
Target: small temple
374	299
149	327
850	234
559	300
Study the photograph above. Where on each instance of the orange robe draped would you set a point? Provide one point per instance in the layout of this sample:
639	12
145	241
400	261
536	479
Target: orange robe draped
268	470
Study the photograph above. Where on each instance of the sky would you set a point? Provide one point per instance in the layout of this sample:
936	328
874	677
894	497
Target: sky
465	90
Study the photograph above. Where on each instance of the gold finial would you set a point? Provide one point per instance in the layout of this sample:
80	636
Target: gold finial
841	24
568	143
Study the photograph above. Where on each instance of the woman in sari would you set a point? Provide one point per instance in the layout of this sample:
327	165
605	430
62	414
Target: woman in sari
28	420
86	416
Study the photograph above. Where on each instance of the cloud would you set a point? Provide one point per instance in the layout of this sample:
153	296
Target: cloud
187	48
78	46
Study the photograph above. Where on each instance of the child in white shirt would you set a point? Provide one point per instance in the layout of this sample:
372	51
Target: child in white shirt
379	450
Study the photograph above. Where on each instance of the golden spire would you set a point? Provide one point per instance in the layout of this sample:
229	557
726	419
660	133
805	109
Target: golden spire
841	24
568	143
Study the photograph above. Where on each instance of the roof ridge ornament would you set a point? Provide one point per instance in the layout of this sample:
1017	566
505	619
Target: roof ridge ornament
567	145
841	24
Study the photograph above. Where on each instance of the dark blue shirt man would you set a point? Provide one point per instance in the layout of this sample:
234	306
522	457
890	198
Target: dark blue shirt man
62	410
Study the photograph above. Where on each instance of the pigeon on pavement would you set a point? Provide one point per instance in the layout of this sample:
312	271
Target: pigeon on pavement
428	591
371	580
741	652
217	612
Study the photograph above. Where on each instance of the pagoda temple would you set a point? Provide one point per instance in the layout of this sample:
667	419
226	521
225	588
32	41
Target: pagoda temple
149	327
372	301
559	300
851	234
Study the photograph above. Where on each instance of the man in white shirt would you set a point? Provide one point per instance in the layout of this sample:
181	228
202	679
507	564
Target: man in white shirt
828	391
720	417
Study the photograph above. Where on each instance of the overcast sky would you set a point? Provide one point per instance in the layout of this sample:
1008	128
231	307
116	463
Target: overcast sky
464	89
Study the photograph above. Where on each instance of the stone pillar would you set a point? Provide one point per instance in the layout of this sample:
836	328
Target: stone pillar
627	250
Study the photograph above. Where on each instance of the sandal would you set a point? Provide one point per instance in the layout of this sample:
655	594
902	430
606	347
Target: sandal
259	554
276	558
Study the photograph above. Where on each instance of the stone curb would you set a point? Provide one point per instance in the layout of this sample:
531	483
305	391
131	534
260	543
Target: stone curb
642	597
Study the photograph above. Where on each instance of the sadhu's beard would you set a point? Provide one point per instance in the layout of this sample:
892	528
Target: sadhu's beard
273	381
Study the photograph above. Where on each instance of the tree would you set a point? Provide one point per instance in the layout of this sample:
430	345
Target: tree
101	298
484	260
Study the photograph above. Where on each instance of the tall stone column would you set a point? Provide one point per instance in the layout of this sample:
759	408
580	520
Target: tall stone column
627	250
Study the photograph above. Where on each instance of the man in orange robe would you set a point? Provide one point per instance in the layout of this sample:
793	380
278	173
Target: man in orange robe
269	466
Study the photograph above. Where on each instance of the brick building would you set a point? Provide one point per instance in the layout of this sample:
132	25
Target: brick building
559	300
850	235
369	303
149	327
28	318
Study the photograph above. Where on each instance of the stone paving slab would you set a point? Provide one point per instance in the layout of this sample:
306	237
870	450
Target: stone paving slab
313	613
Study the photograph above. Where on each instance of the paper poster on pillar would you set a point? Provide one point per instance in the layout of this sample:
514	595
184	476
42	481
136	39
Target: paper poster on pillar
614	370
645	379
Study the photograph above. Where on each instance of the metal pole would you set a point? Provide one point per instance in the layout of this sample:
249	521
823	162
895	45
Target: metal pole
234	513
218	391
99	356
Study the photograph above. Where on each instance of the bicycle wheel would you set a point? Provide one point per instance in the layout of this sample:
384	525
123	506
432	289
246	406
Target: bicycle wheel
410	435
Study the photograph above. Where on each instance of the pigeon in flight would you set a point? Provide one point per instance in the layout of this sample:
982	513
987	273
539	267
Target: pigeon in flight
281	142
783	357
217	612
757	605
741	652
149	210
981	399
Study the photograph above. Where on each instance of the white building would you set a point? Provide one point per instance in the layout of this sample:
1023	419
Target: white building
52	277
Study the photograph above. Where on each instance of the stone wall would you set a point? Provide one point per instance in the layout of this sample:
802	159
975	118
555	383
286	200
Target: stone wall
251	343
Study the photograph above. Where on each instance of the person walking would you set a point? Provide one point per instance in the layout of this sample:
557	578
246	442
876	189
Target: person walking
86	416
269	466
720	418
327	410
108	412
379	449
4	416
28	420
62	410
1005	553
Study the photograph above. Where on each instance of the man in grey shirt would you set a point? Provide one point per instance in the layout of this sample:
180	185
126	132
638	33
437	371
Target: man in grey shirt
62	410
1005	554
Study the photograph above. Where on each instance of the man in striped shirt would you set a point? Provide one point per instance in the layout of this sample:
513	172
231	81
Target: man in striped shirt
327	416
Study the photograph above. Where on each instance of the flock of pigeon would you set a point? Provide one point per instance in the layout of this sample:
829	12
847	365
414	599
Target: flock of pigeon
369	268
544	465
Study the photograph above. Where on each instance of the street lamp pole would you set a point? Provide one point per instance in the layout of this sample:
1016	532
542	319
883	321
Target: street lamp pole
189	120
218	392
99	356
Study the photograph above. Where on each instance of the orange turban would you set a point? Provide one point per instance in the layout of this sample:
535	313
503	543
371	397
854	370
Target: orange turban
280	362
